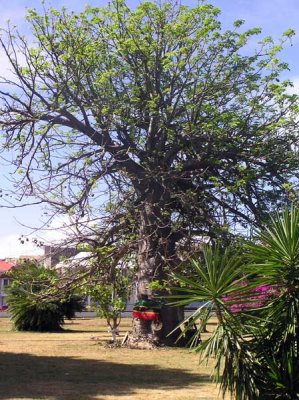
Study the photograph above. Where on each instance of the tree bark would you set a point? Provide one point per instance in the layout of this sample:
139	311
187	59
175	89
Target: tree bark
156	253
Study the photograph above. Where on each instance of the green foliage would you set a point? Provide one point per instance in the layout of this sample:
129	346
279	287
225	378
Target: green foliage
110	295
156	286
166	93
30	303
214	278
157	109
276	262
256	348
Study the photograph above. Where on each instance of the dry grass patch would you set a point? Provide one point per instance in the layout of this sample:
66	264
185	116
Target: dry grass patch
75	365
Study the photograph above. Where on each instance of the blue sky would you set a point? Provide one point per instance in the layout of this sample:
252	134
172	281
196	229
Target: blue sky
273	16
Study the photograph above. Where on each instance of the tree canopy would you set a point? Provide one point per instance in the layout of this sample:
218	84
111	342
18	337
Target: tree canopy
149	126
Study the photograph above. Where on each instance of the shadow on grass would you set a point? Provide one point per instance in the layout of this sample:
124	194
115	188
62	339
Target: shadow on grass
64	378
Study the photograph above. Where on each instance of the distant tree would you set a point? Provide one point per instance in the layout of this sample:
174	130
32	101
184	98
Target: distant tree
29	305
149	127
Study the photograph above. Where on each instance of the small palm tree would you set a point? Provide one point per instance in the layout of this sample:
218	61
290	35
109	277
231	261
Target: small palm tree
256	341
276	263
217	281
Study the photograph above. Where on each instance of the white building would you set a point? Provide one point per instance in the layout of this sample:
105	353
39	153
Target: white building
4	281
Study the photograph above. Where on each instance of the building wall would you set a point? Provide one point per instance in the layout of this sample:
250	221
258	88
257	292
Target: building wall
4	281
54	254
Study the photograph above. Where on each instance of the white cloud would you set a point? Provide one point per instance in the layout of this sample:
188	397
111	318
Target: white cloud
14	245
10	246
5	67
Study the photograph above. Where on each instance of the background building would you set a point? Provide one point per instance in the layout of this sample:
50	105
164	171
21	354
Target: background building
4	281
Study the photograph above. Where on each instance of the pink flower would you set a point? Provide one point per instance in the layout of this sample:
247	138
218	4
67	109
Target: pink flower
257	298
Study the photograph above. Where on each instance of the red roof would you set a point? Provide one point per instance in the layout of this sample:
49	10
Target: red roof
5	266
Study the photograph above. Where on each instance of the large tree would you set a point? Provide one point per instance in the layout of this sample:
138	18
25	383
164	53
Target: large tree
149	127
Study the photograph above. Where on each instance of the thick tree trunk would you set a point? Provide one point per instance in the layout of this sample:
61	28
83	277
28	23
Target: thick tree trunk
171	317
156	253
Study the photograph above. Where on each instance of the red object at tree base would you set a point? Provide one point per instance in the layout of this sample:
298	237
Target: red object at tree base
146	315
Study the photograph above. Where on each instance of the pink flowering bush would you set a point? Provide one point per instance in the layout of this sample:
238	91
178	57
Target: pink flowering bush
254	298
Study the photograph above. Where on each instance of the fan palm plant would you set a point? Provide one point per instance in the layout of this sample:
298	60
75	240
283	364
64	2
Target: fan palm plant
217	282
256	302
276	263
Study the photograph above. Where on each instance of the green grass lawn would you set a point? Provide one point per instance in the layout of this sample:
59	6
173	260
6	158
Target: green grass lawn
76	365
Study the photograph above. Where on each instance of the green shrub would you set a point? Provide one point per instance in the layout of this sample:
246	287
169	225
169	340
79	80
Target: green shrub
32	303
